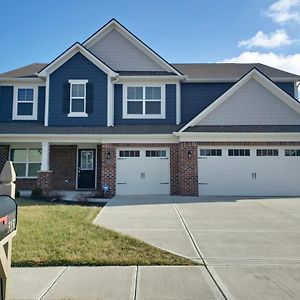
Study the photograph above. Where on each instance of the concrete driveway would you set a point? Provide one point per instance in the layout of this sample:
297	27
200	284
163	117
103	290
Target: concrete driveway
250	246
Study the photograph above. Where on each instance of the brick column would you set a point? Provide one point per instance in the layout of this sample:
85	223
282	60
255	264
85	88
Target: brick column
174	169
44	182
108	167
4	155
188	169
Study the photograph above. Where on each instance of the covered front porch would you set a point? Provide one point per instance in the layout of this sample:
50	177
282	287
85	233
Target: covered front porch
56	167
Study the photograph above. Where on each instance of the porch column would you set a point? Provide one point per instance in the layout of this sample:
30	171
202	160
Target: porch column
45	157
44	181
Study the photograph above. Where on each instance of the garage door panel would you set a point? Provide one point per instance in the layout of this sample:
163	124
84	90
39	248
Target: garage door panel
147	174
249	175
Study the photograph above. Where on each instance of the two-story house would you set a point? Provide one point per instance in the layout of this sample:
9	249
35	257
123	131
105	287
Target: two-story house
111	111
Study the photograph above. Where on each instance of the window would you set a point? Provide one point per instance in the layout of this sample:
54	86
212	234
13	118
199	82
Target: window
144	102
27	162
78	98
292	152
156	153
266	152
210	152
25	103
238	152
129	153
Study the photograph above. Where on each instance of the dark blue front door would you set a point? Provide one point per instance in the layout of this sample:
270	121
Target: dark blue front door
86	169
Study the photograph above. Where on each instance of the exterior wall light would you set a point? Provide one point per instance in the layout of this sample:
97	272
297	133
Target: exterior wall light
108	156
189	154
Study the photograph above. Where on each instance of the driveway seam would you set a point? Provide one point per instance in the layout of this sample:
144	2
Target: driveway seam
201	256
52	284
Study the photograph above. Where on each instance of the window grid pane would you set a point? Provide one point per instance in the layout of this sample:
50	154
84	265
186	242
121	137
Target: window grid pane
33	169
135	107
153	92
77	105
25	94
292	152
210	152
135	93
129	153
238	152
156	153
27	162
20	169
153	107
267	152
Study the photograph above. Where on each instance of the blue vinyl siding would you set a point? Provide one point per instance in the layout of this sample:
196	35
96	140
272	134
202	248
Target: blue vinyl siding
195	97
6	103
287	87
41	103
170	108
78	67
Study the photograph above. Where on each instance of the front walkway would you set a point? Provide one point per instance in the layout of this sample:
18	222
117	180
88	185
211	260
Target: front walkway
250	246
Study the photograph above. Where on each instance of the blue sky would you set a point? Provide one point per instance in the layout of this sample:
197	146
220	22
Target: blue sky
180	31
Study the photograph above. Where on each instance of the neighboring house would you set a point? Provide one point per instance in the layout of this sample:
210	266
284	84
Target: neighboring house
111	111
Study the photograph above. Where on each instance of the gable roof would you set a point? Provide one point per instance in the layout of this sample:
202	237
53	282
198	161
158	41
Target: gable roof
28	71
65	56
114	24
230	71
205	72
253	74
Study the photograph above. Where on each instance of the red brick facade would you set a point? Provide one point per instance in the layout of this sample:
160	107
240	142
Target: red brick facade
183	165
63	166
4	155
26	184
108	167
44	182
188	169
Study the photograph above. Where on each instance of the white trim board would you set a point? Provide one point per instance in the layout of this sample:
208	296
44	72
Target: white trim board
259	77
114	24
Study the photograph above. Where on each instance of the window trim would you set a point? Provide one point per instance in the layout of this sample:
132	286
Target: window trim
27	162
77	114
34	102
162	114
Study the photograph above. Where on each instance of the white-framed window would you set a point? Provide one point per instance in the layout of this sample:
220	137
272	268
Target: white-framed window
292	152
238	152
25	102
210	152
267	152
78	98
26	161
144	101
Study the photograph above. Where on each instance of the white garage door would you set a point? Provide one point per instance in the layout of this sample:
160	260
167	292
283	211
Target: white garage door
249	171
143	171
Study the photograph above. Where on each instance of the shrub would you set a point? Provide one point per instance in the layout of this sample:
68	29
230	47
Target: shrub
37	193
17	194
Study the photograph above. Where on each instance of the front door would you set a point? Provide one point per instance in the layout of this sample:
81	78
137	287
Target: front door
86	169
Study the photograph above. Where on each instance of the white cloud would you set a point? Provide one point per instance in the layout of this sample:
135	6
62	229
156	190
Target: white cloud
283	11
289	63
272	40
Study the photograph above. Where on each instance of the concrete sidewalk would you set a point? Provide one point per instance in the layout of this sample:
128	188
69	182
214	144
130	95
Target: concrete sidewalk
113	283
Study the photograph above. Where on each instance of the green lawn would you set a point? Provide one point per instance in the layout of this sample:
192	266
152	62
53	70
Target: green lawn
52	234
